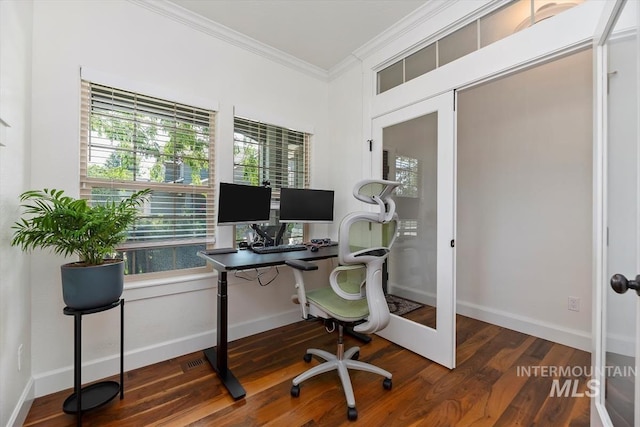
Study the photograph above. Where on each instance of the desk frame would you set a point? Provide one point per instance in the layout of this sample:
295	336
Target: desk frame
243	260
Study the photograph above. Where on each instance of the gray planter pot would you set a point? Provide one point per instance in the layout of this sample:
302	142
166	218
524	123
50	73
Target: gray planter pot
85	287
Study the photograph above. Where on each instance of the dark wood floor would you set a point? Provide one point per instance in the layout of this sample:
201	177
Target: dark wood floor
485	389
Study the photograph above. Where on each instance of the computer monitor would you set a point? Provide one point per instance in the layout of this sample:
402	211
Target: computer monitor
306	205
243	204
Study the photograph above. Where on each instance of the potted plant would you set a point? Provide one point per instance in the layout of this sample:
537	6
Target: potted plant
71	226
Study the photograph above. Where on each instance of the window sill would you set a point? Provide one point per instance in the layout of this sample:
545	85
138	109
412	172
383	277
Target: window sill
153	288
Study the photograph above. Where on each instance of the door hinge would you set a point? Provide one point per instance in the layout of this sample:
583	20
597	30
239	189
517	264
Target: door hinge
453	243
370	141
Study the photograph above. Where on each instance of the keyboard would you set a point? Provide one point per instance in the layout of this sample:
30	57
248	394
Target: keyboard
277	249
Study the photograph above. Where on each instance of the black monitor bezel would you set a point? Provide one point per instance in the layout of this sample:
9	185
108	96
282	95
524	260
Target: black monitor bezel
251	204
309	195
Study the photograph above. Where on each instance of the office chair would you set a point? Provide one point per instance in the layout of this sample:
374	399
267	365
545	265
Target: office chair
355	297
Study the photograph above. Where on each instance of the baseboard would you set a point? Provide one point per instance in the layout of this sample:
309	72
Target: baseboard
21	410
61	379
569	337
92	370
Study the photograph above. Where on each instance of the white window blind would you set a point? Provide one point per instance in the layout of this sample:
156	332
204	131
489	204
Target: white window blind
130	141
263	152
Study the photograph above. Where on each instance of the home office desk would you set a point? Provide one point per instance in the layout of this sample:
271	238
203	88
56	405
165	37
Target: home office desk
244	260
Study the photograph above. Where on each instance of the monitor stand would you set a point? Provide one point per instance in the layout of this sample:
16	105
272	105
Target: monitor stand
268	240
283	228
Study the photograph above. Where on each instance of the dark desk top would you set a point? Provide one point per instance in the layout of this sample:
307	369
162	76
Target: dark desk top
245	258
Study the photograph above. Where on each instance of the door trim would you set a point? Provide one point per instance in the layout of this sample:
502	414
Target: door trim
599	414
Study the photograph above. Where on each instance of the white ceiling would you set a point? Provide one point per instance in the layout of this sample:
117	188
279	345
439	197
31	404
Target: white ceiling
319	32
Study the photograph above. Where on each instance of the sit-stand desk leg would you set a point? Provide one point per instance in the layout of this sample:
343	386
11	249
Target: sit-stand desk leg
218	356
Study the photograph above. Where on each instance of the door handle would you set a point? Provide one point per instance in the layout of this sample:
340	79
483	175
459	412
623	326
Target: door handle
620	284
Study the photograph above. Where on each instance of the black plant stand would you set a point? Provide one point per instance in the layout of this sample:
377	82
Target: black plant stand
97	394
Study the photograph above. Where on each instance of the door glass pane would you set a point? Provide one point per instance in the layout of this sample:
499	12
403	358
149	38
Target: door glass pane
622	211
411	157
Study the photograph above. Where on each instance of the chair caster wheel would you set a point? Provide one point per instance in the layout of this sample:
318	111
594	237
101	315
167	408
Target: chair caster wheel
352	414
307	357
295	390
387	384
355	356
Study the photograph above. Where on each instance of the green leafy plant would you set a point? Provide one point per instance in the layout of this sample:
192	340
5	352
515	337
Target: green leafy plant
70	226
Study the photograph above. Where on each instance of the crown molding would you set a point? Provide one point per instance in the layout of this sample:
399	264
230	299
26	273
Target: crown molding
342	66
197	22
405	25
400	28
177	13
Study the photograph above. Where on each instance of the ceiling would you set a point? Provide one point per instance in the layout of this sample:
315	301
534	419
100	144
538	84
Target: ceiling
320	32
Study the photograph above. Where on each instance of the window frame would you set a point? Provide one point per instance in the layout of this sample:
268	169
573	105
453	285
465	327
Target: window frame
88	183
286	173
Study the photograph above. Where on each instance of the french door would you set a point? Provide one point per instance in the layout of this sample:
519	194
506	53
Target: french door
617	312
418	149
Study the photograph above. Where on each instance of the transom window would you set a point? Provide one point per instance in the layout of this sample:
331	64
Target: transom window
510	18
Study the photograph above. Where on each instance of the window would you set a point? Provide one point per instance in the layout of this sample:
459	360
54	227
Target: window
131	141
407	173
267	153
512	17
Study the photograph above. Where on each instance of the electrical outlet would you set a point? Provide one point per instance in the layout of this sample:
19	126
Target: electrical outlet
573	304
20	347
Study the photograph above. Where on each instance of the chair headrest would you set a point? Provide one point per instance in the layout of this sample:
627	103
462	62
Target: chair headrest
367	189
377	192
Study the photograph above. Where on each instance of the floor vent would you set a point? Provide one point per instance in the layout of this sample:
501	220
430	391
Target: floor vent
192	364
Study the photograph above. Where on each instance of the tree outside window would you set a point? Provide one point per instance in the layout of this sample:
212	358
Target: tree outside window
131	141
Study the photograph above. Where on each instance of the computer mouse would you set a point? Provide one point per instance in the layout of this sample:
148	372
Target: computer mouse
314	249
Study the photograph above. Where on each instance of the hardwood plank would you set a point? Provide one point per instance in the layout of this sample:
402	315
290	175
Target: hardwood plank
528	402
489	407
487	387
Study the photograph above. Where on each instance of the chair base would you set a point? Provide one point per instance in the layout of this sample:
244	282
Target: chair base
342	362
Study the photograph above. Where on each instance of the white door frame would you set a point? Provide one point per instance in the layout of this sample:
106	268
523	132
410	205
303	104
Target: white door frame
599	413
434	344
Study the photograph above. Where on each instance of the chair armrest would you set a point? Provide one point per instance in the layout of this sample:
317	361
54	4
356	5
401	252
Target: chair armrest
299	264
299	267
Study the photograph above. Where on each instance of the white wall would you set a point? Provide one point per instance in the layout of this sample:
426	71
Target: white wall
524	198
15	312
130	44
346	142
